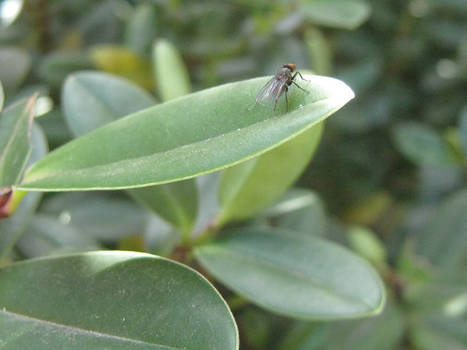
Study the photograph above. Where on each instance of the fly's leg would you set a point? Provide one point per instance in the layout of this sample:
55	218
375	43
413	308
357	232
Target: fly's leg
301	77
299	87
286	99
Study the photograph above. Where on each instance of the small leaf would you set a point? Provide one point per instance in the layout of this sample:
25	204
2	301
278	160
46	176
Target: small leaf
140	30
2	96
111	300
306	215
463	130
14	226
15	144
123	62
365	242
56	66
294	275
442	239
170	72
348	14
422	145
109	98
47	236
92	99
100	215
249	187
15	64
195	134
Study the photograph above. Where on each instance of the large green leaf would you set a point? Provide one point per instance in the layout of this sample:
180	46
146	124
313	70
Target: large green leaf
109	98
192	135
294	275
345	14
15	144
249	187
442	239
111	300
170	72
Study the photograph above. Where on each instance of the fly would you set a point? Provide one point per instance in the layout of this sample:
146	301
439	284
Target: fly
279	85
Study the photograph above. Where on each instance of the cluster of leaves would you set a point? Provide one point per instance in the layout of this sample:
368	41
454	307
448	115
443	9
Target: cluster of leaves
79	77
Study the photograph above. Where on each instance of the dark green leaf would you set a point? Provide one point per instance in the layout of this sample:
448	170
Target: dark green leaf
344	14
48	236
111	300
15	145
141	28
294	275
99	215
442	239
422	145
14	67
58	65
192	135
383	332
2	96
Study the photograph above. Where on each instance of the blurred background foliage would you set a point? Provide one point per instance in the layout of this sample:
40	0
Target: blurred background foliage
388	178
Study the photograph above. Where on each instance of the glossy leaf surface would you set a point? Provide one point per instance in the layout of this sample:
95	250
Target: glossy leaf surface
117	300
192	135
294	275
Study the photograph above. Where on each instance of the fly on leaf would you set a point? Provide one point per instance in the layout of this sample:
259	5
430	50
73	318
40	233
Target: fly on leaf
279	85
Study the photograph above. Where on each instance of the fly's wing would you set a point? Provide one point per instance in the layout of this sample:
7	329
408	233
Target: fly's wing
270	90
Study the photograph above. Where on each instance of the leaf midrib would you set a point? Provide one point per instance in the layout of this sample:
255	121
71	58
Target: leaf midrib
300	275
47	174
86	331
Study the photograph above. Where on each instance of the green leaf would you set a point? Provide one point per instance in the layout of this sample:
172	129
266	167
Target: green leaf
249	187
463	130
111	300
195	134
170	71
442	239
15	143
101	215
434	331
306	213
48	236
344	14
13	227
15	64
422	145
2	96
140	30
92	99
109	98
294	275
383	332
365	242
177	203
56	66
319	51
